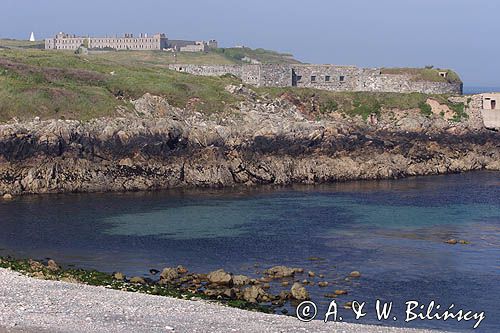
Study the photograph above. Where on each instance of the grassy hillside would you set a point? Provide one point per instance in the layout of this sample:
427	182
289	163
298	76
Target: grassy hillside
21	44
61	84
264	56
356	103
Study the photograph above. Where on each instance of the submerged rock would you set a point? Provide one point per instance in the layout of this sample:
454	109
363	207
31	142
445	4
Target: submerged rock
278	272
355	274
181	269
452	242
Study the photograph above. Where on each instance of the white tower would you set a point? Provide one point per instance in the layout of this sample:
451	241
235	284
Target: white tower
32	37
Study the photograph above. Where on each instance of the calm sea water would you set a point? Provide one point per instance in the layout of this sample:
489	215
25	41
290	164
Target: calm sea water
391	231
479	90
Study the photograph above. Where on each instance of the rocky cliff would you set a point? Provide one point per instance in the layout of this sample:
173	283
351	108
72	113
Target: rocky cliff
263	141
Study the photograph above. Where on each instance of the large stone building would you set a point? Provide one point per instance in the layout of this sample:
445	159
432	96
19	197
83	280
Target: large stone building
143	42
330	77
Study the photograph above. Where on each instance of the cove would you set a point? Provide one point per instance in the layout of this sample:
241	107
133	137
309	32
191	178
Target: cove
393	232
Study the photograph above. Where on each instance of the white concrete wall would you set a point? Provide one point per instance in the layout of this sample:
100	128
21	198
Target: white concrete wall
491	118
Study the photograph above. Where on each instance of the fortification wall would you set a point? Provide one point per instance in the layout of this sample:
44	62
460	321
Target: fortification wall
406	84
209	70
275	75
325	77
251	74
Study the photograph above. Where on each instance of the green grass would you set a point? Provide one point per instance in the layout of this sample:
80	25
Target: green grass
261	55
356	103
459	110
21	44
425	108
64	85
425	74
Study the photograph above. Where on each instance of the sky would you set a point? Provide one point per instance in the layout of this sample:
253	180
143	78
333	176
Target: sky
463	35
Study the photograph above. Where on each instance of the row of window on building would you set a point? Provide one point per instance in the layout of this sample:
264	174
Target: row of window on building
328	78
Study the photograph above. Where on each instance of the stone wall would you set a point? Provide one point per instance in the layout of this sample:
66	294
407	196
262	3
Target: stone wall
209	70
251	74
275	75
325	77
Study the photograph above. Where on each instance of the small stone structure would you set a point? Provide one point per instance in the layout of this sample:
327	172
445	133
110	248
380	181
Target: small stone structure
490	110
192	46
325	77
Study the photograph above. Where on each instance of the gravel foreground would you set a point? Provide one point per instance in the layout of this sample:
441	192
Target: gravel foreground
28	305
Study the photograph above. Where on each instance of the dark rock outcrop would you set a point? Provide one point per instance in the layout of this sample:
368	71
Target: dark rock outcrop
267	142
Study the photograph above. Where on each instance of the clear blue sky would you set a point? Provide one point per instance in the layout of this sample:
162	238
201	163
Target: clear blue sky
459	34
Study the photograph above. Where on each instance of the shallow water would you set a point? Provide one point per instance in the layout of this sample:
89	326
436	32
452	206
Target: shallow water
391	231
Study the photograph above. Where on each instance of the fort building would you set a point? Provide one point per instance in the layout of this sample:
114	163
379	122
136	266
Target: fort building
331	77
63	41
143	42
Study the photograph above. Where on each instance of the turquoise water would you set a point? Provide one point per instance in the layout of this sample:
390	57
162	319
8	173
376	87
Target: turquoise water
391	231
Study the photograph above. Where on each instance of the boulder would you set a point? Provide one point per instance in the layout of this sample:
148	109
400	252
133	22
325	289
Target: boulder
137	280
278	272
323	284
452	242
340	292
168	275
35	265
212	292
241	280
119	276
254	294
53	266
299	292
220	277
7	196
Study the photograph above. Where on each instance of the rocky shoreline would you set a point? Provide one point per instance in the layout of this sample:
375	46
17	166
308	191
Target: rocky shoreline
34	305
233	290
273	141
